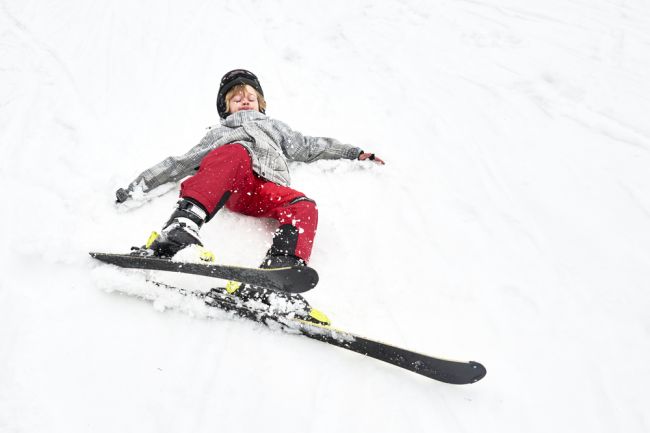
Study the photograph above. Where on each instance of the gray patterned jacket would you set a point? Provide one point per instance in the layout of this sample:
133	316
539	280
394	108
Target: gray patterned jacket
271	144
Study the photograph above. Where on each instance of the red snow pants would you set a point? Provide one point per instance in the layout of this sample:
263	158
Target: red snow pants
226	177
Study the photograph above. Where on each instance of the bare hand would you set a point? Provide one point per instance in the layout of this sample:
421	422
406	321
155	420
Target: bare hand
372	157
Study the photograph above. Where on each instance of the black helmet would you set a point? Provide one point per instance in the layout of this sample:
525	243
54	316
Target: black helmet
231	79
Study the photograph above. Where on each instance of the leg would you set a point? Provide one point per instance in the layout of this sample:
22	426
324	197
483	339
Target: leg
298	222
297	215
223	172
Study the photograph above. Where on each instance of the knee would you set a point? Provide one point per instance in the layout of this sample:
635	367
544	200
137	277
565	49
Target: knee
305	209
305	204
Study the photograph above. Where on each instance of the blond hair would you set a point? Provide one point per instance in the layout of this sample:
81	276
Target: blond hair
243	88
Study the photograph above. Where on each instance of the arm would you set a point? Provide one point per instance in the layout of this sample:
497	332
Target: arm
303	148
171	169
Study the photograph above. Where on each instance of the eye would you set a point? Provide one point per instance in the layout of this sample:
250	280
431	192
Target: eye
252	98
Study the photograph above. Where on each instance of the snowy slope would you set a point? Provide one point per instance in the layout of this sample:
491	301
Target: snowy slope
511	224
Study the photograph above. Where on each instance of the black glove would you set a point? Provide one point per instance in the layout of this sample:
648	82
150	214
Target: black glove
122	195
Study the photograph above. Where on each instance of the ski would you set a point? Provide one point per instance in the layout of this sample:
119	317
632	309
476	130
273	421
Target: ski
443	370
296	279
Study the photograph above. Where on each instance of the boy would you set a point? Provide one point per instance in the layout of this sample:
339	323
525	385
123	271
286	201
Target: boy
243	165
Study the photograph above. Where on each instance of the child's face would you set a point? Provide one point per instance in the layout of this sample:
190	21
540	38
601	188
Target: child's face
244	100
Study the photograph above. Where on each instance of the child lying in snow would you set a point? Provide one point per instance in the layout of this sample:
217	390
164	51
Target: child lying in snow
243	165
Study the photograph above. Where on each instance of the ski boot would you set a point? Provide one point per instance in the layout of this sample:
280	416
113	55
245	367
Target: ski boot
289	304
180	231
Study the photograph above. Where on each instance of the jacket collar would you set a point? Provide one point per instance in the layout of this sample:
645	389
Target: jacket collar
239	118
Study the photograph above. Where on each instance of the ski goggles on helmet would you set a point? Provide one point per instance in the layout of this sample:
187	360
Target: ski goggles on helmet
241	74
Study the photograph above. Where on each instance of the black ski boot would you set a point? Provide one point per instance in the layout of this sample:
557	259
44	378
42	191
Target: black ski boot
180	231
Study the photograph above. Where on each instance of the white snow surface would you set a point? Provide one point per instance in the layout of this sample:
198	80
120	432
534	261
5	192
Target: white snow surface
510	225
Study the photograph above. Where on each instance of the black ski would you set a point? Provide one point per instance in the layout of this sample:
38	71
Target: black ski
296	279
443	370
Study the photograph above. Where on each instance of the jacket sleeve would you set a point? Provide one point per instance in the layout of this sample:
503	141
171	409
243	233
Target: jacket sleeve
303	148
174	168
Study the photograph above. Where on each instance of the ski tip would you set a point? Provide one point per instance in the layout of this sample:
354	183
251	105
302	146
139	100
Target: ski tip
479	370
314	278
303	279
